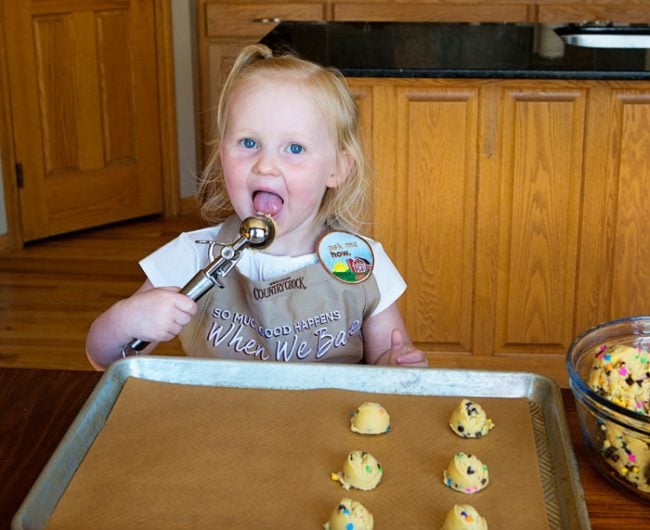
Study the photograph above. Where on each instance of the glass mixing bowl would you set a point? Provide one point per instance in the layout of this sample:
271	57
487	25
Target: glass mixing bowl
609	373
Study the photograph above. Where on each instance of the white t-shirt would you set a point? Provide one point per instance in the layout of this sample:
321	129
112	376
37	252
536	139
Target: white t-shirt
175	263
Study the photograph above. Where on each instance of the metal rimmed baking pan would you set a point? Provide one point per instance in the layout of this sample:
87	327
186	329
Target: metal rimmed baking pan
563	492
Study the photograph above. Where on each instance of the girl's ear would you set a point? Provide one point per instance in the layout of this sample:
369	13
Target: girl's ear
342	170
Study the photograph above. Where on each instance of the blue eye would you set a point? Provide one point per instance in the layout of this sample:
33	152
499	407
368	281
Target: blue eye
248	143
296	149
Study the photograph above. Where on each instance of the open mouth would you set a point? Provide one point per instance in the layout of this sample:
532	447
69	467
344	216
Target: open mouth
267	202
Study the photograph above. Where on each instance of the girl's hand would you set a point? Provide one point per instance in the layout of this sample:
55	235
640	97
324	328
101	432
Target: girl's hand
402	353
156	315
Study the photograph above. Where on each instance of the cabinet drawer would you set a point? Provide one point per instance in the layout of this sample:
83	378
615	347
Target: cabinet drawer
253	20
431	12
587	12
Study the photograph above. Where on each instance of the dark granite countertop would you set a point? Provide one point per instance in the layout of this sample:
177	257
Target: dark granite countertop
457	50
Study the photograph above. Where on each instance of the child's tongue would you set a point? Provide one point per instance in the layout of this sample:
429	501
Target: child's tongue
267	202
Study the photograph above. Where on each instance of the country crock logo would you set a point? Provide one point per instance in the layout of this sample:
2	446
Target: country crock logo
279	286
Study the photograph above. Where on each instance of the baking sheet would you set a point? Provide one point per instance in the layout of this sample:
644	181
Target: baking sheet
562	490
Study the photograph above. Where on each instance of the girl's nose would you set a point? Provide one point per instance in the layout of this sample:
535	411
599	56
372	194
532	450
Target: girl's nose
266	164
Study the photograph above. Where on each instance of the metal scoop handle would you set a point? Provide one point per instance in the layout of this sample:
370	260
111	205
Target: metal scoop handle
256	232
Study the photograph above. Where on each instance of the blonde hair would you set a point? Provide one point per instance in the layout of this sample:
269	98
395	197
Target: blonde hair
342	207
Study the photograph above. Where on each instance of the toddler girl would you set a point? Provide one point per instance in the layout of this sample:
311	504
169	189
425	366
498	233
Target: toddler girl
287	147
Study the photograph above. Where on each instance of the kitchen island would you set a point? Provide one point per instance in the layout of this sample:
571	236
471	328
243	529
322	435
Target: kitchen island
510	176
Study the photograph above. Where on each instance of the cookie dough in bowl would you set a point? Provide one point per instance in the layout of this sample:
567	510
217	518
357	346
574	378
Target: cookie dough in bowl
464	517
350	515
370	418
629	456
469	420
360	471
609	375
466	473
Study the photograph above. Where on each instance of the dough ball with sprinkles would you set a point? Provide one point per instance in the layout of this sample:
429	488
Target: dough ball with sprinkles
350	515
464	517
469	420
360	471
370	418
466	473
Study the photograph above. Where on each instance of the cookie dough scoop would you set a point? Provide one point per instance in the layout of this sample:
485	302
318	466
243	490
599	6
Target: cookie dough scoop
466	473
360	471
469	420
464	517
370	418
350	515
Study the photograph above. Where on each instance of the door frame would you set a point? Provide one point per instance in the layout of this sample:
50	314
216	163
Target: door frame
13	239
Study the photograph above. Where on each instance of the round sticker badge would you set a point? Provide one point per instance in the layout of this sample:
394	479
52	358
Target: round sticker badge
346	256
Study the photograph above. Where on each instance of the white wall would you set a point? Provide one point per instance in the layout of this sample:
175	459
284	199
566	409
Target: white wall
186	75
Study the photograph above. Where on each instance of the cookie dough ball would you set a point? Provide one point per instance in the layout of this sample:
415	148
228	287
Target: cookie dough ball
370	418
469	420
466	474
464	517
360	471
350	515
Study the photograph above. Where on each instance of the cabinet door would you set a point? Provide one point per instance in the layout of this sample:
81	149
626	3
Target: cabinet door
424	197
615	253
529	213
85	108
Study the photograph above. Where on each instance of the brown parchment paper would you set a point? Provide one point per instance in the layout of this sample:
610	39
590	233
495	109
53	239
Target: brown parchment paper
179	456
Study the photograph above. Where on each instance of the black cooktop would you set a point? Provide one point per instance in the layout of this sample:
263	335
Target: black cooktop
508	50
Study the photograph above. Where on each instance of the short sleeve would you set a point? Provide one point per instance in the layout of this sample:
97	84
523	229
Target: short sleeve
175	263
389	281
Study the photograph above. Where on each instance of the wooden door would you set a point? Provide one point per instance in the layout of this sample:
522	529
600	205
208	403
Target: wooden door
83	84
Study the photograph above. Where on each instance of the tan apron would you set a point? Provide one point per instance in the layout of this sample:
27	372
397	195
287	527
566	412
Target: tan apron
307	315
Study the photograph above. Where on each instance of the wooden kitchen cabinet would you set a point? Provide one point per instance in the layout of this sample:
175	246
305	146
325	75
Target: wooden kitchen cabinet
514	209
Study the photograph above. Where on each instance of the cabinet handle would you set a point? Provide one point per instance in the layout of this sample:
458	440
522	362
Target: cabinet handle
268	20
